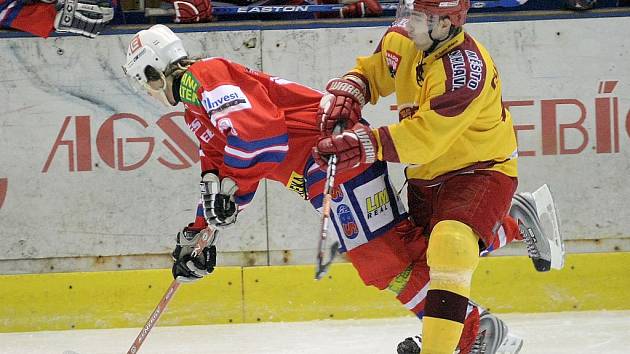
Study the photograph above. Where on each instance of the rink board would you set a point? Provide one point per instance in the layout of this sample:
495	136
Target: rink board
94	176
59	301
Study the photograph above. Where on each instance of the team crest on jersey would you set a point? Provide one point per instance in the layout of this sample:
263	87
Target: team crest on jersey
225	125
336	194
348	224
297	183
393	60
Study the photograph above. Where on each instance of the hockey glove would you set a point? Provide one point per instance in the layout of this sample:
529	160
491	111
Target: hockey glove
85	17
343	102
352	147
187	268
217	196
361	8
190	11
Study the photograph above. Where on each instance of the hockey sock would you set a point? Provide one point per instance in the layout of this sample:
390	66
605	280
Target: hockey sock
507	232
411	287
452	256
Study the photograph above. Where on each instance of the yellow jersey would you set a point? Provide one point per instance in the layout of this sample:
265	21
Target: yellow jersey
451	113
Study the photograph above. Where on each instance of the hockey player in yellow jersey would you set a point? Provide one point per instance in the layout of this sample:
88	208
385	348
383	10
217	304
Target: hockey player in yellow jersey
453	95
459	142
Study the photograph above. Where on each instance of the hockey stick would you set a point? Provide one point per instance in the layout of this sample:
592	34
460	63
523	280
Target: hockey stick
388	7
496	3
322	267
207	238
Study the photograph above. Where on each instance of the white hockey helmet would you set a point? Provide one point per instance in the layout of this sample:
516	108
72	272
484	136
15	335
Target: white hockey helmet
156	47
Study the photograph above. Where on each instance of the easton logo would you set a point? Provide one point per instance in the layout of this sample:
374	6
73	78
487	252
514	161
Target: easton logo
348	224
4	184
266	9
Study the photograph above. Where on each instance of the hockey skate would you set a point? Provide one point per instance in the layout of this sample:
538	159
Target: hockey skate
538	223
493	338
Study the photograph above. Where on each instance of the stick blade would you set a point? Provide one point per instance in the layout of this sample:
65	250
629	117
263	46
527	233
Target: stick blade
322	267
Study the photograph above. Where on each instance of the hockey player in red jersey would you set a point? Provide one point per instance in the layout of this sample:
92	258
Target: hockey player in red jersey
252	126
460	145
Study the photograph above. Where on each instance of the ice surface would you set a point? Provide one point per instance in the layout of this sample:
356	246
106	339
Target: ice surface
551	333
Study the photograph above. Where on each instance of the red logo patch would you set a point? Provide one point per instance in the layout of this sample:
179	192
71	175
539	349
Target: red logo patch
135	44
336	194
393	60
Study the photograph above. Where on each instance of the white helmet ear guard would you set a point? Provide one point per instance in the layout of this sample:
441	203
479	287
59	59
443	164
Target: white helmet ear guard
157	47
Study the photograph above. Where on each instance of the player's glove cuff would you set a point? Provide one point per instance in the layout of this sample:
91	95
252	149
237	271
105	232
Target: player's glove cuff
84	17
219	206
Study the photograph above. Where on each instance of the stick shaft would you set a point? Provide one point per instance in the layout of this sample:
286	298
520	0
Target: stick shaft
388	7
155	316
208	236
322	266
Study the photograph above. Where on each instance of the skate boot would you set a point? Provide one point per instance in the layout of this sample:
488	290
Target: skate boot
539	226
493	338
411	345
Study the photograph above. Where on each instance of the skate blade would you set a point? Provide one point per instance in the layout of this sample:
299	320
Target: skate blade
512	344
545	208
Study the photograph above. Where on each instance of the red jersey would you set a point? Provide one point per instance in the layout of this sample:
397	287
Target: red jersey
36	18
250	125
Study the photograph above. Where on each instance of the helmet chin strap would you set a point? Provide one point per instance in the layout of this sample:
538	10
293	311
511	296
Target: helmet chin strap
160	94
177	82
436	42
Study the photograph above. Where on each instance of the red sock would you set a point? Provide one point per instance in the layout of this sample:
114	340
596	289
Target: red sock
471	327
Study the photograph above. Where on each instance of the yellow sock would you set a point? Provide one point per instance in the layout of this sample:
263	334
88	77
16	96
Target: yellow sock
452	256
442	336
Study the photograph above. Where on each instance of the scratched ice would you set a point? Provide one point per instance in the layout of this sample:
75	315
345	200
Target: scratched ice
553	333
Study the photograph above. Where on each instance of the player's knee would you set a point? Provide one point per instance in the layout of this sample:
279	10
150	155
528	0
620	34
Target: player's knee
453	252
